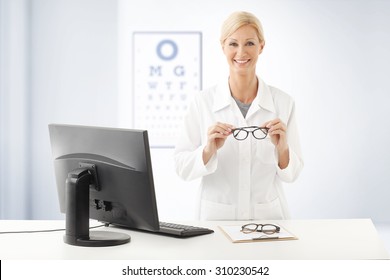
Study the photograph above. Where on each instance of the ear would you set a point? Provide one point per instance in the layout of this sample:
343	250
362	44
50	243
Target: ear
223	47
262	47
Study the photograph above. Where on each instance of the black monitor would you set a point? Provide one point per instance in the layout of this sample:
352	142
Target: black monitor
103	174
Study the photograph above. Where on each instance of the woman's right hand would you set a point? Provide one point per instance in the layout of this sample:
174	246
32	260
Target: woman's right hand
216	137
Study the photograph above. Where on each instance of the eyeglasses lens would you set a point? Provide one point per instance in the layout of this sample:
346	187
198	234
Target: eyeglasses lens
249	228
240	134
260	133
269	229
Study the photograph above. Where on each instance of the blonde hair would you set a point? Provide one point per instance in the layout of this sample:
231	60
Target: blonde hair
237	20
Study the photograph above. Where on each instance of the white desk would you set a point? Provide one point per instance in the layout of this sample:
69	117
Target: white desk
318	239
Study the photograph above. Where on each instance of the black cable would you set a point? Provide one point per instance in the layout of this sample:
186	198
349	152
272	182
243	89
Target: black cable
47	230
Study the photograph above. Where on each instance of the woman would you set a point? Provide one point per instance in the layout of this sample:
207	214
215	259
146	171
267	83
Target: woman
240	136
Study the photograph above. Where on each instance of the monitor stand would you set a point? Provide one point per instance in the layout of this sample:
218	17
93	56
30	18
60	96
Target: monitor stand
77	214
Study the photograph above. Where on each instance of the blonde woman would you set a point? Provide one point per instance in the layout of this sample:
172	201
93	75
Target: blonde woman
240	137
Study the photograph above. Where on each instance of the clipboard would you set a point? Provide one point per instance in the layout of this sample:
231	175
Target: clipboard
234	234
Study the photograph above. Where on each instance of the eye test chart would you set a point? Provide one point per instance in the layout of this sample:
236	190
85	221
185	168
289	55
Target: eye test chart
167	69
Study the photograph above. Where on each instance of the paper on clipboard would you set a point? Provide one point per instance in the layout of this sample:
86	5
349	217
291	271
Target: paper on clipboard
236	236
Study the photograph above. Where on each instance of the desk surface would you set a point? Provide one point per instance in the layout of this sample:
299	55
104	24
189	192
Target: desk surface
318	239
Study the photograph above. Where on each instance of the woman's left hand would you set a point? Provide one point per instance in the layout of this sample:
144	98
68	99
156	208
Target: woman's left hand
277	131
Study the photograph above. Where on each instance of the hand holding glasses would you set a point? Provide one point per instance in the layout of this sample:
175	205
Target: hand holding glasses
241	133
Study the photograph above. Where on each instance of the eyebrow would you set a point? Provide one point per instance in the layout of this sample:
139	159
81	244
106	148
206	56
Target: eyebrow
232	39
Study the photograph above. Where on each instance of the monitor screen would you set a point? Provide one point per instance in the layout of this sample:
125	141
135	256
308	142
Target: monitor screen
119	176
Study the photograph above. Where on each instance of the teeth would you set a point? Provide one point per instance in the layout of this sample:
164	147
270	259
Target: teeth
241	61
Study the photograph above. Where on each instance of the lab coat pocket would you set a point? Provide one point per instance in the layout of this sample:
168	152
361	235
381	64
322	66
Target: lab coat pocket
210	210
269	211
266	151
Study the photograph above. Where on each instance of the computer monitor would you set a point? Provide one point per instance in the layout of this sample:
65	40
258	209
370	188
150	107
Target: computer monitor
103	174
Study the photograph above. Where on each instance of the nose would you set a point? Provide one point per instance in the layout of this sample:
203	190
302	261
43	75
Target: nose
241	50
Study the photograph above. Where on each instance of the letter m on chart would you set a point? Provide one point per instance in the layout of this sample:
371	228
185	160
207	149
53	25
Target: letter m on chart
166	69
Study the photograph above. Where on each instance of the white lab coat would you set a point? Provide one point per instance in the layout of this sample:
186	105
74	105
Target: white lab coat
242	181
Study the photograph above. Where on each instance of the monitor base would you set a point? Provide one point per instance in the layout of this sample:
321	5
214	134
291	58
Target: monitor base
98	239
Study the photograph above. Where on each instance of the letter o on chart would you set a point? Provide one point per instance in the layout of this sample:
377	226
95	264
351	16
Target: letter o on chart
167	50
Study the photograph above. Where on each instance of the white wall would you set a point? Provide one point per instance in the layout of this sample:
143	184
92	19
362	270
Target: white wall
73	80
331	56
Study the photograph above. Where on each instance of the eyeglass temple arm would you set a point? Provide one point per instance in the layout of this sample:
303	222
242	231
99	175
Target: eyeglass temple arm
254	126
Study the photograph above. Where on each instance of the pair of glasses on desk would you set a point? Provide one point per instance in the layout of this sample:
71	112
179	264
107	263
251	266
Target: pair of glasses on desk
264	228
241	133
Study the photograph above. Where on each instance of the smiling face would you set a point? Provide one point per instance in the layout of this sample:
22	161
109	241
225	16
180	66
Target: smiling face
242	49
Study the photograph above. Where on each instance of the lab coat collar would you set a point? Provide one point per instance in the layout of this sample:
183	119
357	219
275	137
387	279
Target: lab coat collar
223	96
263	98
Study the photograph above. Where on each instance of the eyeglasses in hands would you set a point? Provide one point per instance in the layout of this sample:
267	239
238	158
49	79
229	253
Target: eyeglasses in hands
264	228
241	133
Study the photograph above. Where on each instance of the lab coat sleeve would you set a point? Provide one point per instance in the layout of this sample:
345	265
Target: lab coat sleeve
295	165
188	154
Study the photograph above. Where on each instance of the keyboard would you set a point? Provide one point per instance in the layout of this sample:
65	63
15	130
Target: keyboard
179	230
